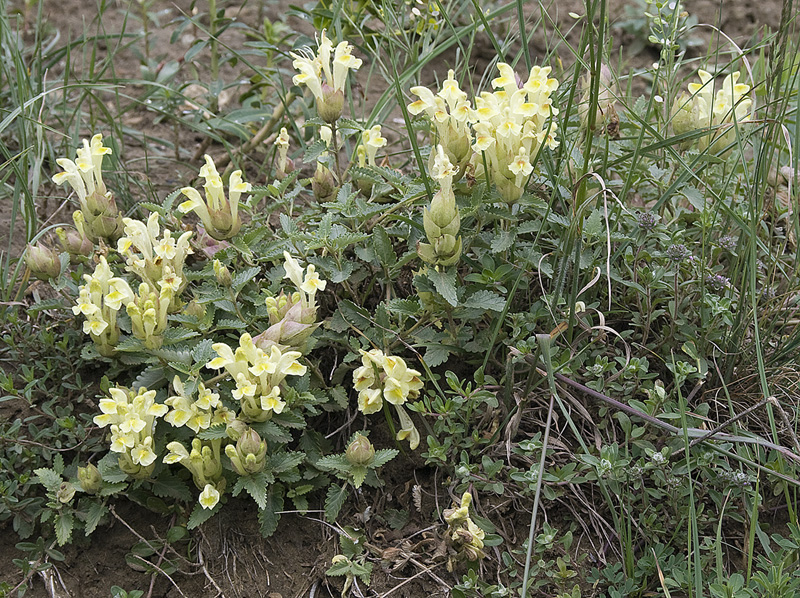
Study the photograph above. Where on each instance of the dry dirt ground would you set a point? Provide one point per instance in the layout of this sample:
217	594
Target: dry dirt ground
229	557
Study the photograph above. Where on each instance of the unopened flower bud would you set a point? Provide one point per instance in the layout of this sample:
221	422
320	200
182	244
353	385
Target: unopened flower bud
65	492
360	451
249	455
195	309
323	184
235	429
90	479
77	245
332	104
43	261
222	273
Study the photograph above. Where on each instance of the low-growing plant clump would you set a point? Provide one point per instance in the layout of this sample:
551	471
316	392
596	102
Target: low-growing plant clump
575	308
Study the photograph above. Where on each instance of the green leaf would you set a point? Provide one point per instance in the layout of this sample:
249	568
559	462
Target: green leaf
359	473
404	307
48	478
290	420
63	526
340	569
383	456
503	241
334	500
150	377
354	315
176	335
94	514
396	519
334	463
593	226
202	352
314	151
109	469
243	277
436	354
200	515
272	432
280	462
486	300
171	486
214	432
383	247
445	284
270	515
256	487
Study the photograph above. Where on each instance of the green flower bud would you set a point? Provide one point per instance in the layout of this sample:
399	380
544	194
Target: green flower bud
77	245
223	274
43	261
65	492
332	104
195	309
360	451
235	429
323	184
249	455
90	479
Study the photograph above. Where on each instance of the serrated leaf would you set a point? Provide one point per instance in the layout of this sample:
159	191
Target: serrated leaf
396	519
383	247
359	473
445	284
404	307
339	396
230	324
280	462
171	486
486	300
314	151
150	377
334	500
502	241
290	419
109	469
334	463
436	354
383	456
593	226
256	486
340	568
48	478
270	515
272	432
243	277
354	315
214	432
202	352
63	524
200	515
94	514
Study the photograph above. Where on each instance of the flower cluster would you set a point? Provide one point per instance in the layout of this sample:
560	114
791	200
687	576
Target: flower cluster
219	214
441	221
505	130
511	125
706	107
464	538
197	414
205	465
451	114
99	300
387	377
326	82
258	375
151	257
98	217
132	416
